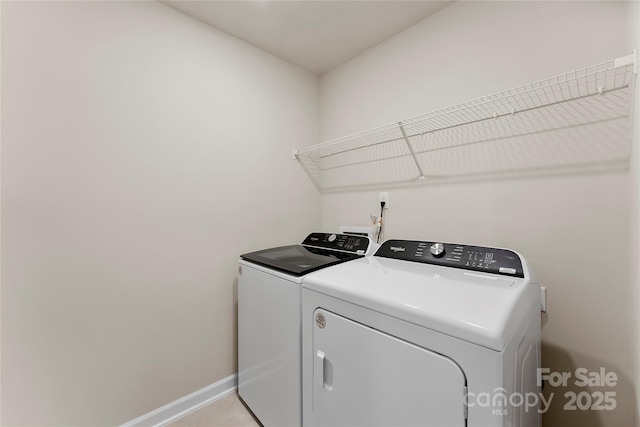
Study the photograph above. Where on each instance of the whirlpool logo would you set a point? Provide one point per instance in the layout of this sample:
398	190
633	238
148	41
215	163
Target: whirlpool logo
397	249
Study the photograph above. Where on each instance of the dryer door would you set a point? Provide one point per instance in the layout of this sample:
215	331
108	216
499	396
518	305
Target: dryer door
363	377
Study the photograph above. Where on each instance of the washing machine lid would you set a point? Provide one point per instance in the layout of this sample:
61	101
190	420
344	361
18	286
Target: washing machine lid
317	251
479	307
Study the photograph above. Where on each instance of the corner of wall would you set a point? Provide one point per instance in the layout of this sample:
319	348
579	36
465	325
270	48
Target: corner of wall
634	226
0	203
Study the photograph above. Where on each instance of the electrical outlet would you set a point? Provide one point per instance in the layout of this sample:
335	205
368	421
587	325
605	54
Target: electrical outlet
384	197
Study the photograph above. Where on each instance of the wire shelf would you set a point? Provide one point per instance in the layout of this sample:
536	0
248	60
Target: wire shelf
500	133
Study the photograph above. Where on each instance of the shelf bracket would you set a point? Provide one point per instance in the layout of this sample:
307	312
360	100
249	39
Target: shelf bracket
413	154
632	58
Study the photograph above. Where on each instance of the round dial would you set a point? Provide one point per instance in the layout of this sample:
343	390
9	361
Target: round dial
437	250
332	237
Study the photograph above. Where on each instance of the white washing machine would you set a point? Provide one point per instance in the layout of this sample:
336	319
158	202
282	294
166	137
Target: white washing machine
422	334
269	321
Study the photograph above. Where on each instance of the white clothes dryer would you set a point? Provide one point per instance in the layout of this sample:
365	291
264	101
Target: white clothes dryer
422	334
269	321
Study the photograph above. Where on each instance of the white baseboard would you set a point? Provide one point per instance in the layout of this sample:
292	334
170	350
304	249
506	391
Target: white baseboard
187	404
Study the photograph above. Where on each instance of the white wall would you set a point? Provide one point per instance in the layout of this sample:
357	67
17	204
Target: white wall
634	227
560	222
142	152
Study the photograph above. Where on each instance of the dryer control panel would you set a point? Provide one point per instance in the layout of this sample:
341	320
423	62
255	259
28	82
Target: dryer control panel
338	242
467	257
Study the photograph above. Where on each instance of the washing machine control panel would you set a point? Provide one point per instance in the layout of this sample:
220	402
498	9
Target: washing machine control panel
339	242
467	257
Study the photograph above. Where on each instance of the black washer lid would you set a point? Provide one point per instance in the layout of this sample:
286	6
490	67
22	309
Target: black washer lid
298	259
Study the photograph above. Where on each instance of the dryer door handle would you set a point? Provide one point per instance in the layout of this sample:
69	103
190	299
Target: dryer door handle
326	371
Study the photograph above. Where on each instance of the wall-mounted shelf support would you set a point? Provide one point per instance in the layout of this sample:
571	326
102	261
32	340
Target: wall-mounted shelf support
390	155
631	59
406	139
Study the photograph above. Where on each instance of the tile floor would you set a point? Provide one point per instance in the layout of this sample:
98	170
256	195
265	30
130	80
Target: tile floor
226	412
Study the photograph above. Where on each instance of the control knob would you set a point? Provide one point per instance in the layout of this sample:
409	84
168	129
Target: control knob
332	238
437	250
